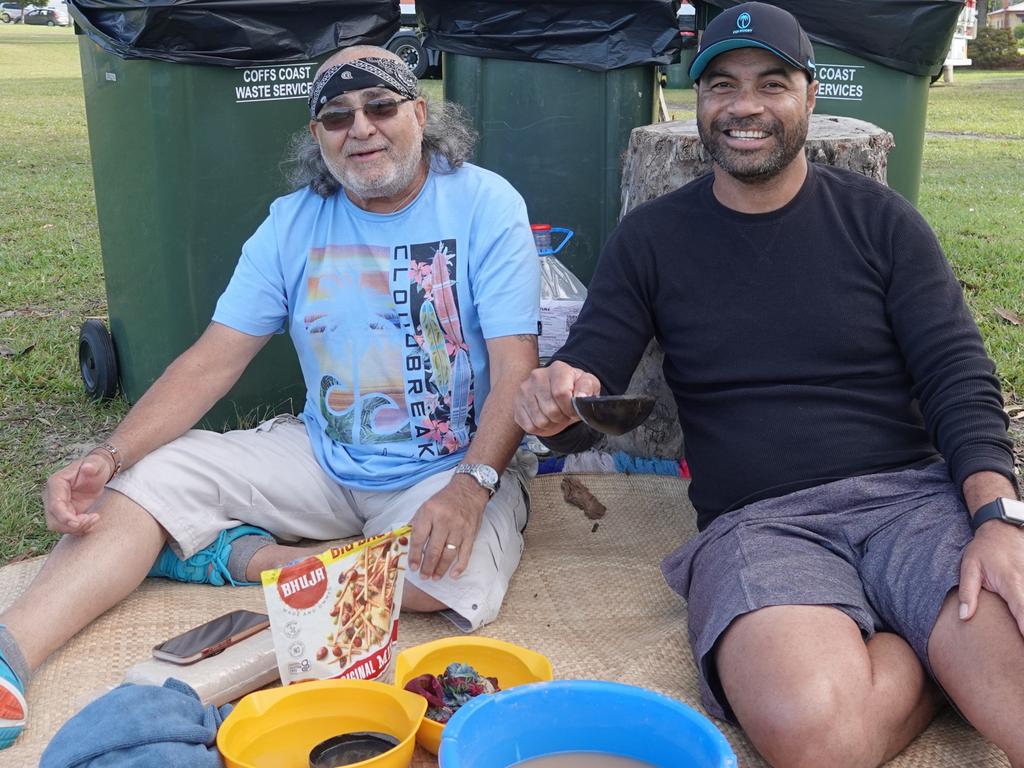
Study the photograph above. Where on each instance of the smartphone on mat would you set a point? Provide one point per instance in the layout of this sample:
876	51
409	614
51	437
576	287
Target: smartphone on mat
211	638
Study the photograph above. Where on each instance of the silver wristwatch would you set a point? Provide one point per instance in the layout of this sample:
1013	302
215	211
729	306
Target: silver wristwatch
485	475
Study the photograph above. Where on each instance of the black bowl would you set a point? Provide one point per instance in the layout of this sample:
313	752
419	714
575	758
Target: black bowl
614	414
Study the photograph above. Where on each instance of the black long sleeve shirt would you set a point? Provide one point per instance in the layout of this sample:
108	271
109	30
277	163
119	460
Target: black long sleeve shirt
821	341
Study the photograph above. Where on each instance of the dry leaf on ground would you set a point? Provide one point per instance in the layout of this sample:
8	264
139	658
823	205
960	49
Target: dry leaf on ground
1008	316
6	351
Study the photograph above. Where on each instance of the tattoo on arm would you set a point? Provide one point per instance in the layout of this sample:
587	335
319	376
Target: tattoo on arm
529	338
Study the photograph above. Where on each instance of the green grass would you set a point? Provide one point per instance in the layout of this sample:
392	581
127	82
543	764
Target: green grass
972	193
983	102
682	103
973	197
51	273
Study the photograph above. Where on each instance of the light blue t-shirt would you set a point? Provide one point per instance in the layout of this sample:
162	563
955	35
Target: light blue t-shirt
388	314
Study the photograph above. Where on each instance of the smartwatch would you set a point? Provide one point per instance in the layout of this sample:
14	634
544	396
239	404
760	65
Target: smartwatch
1008	510
485	475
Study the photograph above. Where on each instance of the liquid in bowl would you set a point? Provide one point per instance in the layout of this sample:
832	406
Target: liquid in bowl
583	760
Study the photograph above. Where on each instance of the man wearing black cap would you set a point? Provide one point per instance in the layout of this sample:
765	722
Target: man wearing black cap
852	474
409	282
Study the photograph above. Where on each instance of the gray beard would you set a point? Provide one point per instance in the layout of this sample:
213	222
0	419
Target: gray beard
403	174
788	146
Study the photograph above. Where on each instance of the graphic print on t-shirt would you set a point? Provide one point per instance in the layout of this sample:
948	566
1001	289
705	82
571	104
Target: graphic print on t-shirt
447	418
385	328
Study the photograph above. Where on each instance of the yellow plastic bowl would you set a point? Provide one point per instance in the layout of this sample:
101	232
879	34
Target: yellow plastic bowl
277	728
512	665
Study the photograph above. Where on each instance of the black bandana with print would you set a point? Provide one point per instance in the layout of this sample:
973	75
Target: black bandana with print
369	72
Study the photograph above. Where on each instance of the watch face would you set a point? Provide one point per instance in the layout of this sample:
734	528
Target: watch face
484	474
1014	511
489	475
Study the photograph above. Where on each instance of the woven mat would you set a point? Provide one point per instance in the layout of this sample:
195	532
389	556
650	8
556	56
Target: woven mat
592	600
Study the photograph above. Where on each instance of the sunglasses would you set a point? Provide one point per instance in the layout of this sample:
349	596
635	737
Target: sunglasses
342	118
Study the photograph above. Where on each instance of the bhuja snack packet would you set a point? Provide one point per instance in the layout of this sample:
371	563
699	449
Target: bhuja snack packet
336	614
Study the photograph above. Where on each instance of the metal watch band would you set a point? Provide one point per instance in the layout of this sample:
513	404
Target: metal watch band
479	472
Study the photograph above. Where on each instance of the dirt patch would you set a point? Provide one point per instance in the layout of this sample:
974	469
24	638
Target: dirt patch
970	135
36	312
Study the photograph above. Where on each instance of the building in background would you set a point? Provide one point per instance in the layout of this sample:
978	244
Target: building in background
1007	17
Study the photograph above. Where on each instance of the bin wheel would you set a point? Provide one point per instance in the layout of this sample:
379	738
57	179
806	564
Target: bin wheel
410	50
96	361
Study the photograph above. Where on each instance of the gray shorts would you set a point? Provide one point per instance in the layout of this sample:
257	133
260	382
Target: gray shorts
205	482
884	549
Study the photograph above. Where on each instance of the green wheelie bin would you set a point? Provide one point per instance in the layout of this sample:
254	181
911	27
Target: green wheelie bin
557	134
554	91
678	75
852	86
189	121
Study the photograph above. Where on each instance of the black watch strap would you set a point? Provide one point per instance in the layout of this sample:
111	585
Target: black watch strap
986	512
992	511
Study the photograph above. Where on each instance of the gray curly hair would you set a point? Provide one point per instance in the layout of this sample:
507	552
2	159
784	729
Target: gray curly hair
447	136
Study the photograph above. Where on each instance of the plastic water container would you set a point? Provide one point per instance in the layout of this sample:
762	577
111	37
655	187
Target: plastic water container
561	292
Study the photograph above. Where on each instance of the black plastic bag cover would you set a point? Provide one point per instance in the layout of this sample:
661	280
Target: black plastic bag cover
911	36
589	34
233	32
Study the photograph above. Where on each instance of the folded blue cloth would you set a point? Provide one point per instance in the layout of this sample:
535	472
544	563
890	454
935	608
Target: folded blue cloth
550	465
139	726
640	465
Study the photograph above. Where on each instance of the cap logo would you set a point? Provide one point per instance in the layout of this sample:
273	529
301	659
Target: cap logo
743	22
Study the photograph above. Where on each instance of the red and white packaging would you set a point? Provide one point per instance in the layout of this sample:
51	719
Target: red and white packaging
336	614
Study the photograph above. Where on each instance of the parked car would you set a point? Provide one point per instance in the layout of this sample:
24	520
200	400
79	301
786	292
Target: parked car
51	17
9	12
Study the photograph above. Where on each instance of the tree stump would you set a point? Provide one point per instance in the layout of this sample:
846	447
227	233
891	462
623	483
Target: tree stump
665	156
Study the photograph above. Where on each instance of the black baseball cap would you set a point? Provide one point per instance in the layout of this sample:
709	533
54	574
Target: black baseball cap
755	25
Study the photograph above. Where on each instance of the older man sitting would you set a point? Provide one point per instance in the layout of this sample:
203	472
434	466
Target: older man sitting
409	282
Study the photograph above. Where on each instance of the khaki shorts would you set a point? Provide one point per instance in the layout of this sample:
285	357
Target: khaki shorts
205	482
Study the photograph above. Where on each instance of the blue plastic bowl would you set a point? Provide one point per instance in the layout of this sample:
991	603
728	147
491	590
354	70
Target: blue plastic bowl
540	719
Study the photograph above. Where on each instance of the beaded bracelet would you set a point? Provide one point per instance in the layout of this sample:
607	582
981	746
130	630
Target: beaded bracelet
115	456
